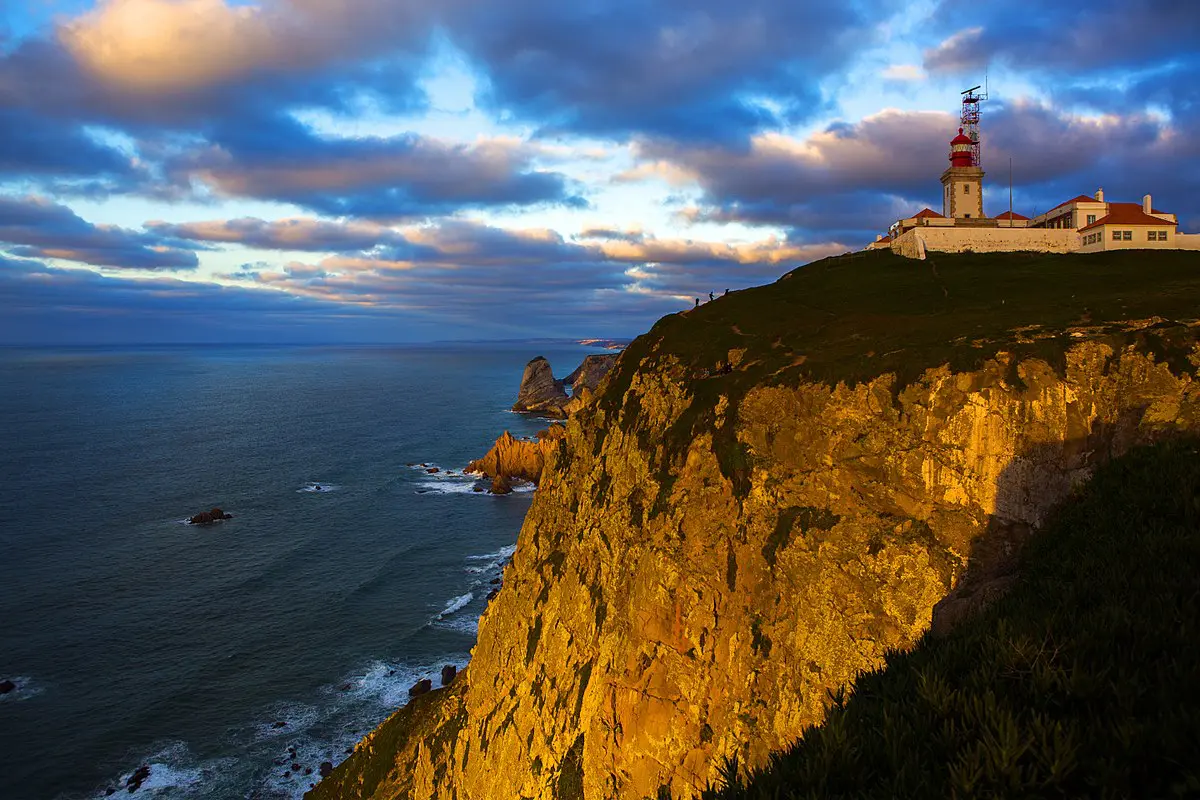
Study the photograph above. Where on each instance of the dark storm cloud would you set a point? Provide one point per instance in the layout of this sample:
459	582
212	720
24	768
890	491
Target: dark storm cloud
36	228
687	71
32	146
44	305
1096	37
395	177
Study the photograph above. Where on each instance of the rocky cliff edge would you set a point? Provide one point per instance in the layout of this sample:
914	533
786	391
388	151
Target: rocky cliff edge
770	493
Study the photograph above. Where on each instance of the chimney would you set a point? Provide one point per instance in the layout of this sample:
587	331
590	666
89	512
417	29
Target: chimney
1100	195
1146	206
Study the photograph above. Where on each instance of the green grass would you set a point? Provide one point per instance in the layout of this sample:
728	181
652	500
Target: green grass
1083	682
852	318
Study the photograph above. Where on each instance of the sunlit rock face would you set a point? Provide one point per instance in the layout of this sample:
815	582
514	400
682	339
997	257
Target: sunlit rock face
540	391
518	458
655	621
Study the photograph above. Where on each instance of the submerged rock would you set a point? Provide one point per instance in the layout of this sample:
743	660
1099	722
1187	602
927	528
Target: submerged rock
138	777
7	686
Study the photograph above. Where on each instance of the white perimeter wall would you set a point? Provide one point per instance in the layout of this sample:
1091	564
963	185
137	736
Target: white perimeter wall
914	243
1183	241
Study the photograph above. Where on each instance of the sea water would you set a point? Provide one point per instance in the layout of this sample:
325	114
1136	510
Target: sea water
224	656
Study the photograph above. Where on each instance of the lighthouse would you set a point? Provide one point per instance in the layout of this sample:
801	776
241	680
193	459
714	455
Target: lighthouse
962	182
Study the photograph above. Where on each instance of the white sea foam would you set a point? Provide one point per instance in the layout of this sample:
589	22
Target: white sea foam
454	485
318	488
295	717
489	562
502	554
466	624
175	772
25	688
456	604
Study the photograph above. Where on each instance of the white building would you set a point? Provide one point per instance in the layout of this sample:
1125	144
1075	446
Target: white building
1081	224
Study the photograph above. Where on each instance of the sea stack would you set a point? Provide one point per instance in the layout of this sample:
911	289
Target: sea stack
540	392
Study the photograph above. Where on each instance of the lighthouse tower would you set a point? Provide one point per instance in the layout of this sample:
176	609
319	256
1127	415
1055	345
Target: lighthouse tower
962	182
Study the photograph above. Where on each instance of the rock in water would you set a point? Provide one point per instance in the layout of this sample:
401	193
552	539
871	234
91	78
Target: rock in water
205	517
7	686
501	485
420	687
137	778
325	769
448	673
539	391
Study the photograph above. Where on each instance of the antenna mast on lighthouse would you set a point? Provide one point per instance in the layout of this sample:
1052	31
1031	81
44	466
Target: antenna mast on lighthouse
970	119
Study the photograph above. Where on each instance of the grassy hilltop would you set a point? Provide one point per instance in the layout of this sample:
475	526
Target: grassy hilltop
854	317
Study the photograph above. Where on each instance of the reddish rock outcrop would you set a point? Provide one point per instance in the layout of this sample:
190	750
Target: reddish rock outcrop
517	458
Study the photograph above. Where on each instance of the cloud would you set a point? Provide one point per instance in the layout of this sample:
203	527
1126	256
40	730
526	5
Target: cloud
463	271
393	177
45	305
285	234
161	47
37	228
1102	36
33	146
848	180
963	51
904	73
689	71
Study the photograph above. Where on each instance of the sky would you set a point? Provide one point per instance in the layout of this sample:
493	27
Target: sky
177	171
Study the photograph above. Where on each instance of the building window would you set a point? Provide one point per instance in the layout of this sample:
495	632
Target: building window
1091	218
966	188
967	216
1152	236
1116	236
1127	235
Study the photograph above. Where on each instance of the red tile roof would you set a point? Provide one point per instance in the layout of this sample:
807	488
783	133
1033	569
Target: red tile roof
927	213
1127	214
1083	198
1011	215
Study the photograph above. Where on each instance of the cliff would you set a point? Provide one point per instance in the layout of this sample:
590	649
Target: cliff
772	492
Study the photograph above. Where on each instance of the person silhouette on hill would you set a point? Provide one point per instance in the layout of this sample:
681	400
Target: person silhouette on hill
711	296
697	302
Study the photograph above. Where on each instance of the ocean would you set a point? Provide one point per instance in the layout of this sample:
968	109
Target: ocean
233	659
